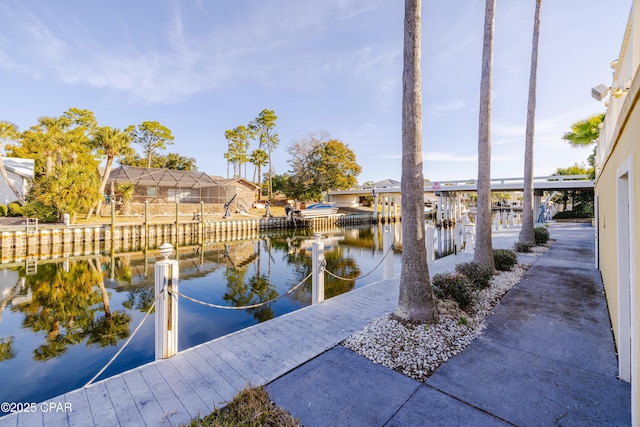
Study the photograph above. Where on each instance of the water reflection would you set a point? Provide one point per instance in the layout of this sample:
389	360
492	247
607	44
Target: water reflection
61	324
69	303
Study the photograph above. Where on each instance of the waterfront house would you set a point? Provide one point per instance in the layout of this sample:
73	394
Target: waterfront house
618	204
20	172
162	186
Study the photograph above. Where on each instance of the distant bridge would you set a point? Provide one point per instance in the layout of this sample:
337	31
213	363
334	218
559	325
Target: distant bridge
543	183
447	191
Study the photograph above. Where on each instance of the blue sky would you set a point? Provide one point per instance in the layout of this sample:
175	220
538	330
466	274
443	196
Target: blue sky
201	67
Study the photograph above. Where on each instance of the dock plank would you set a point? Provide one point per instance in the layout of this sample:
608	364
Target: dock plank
126	409
81	415
274	348
214	368
249	353
242	367
102	409
184	390
173	409
30	417
210	386
197	380
151	412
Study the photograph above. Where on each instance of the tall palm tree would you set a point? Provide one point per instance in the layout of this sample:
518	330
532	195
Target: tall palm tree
258	158
111	142
416	302
527	235
8	131
484	248
264	127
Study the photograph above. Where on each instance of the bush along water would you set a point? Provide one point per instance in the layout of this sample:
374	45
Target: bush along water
522	247
479	274
454	286
504	259
541	234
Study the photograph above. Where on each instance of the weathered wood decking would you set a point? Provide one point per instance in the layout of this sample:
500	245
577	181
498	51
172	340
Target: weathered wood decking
195	381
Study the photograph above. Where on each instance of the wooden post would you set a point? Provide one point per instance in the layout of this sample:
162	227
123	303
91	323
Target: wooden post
146	225
113	221
317	270
166	284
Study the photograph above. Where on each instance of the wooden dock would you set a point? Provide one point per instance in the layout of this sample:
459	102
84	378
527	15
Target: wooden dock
195	381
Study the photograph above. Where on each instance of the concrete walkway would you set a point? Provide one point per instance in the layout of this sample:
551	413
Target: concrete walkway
546	358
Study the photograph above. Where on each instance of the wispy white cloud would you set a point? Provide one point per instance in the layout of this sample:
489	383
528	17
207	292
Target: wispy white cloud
180	65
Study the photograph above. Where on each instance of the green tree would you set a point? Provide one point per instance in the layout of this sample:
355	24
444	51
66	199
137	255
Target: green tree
585	133
280	183
151	137
237	147
172	161
259	158
73	189
264	127
484	247
527	235
318	164
8	131
416	302
111	143
126	191
175	161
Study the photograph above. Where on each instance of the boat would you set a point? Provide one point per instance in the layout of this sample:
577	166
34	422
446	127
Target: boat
316	210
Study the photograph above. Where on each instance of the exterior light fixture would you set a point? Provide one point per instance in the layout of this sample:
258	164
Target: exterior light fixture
599	92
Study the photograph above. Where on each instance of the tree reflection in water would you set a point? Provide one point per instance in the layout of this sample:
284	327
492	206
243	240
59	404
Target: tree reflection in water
66	303
256	289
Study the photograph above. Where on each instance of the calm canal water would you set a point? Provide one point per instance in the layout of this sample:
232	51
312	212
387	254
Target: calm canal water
60	324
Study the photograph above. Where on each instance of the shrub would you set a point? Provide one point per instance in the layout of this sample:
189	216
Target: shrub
479	274
453	286
521	247
542	235
573	214
3	210
14	209
37	209
504	259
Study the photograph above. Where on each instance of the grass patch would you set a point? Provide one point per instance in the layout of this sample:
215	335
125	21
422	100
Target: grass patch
252	407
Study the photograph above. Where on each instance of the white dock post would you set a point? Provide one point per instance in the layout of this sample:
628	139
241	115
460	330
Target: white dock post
166	327
317	270
387	242
431	233
375	207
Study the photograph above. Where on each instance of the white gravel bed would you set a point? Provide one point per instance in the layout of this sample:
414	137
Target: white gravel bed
418	350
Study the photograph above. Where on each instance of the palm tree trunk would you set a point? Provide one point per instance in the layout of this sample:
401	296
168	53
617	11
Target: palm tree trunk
484	248
527	235
103	185
416	302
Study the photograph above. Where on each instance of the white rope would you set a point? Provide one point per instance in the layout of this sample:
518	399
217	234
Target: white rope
125	344
228	307
364	275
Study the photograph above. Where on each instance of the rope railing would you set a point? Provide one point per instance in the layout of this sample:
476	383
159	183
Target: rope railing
364	275
104	368
244	307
